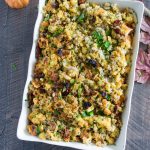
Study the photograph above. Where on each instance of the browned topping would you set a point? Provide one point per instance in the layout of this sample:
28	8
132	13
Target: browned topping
30	98
81	1
52	126
66	135
32	129
53	76
38	75
55	4
42	90
38	51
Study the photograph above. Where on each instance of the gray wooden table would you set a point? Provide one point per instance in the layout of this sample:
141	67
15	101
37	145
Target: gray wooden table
16	30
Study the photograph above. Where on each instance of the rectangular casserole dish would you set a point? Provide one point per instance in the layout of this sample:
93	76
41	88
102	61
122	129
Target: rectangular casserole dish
22	132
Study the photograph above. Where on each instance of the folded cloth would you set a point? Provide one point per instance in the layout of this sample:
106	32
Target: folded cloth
142	72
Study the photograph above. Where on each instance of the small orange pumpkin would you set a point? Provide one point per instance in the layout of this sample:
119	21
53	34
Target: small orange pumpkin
17	3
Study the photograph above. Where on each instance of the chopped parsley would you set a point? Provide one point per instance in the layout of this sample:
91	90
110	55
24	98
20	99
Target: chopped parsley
87	114
108	32
100	112
99	40
57	32
98	36
80	91
47	17
83	114
72	81
56	112
81	18
91	113
38	130
108	97
106	45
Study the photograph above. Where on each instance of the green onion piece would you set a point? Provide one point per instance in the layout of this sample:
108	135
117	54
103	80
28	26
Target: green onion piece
86	114
97	35
108	97
99	38
56	112
100	112
108	32
42	28
83	114
47	17
53	45
106	45
61	127
99	43
48	36
71	128
60	96
38	130
57	32
72	81
64	89
100	82
91	113
81	18
46	1
79	91
50	82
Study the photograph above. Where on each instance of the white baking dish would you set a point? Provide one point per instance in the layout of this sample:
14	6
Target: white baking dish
22	132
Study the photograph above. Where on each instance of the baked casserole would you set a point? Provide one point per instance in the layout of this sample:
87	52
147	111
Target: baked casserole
78	90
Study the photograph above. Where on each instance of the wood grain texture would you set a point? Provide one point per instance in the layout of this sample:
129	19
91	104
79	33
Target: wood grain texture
16	32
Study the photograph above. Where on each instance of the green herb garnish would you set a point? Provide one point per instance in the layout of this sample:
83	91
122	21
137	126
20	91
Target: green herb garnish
57	32
53	45
50	82
108	97
60	96
80	90
99	38
87	114
46	1
56	112
96	35
106	45
91	113
47	17
61	127
48	36
108	32
72	81
42	28
100	112
81	18
84	114
38	130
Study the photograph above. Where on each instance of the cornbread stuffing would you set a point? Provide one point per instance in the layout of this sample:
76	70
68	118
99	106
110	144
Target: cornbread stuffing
80	77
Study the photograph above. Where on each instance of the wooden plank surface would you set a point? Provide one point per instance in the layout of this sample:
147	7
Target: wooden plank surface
16	31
